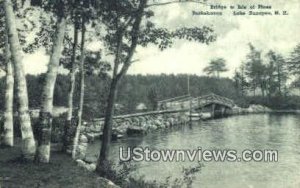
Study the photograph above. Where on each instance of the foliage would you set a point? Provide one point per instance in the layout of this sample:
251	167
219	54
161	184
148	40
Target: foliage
269	75
240	81
255	69
118	173
133	89
215	67
152	98
121	175
294	61
296	83
277	74
2	38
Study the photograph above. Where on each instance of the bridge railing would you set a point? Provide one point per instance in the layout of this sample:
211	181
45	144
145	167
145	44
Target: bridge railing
214	98
175	99
186	103
177	104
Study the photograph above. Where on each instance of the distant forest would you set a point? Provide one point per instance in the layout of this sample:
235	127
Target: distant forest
136	89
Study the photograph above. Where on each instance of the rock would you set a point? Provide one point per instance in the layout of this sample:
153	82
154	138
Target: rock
89	167
163	125
80	163
91	159
152	127
168	124
114	137
157	123
120	136
205	115
135	120
142	119
171	120
135	130
83	139
144	125
102	182
90	137
81	150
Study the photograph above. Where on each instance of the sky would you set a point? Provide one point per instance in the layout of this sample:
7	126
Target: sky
279	33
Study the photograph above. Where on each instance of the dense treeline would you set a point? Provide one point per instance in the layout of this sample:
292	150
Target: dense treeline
266	78
148	89
133	90
136	89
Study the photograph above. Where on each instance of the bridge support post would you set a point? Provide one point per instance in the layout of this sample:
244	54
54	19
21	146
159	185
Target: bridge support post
223	110
213	106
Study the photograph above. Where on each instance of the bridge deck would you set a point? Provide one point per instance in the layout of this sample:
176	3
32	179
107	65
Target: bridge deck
196	103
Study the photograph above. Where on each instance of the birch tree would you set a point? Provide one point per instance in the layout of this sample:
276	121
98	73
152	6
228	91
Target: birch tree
45	119
83	15
28	142
6	129
81	95
8	124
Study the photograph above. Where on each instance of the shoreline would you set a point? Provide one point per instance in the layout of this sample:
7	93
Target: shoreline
287	111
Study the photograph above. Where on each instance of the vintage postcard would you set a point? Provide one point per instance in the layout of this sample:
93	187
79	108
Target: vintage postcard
149	93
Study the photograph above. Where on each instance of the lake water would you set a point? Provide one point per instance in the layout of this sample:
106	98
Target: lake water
259	131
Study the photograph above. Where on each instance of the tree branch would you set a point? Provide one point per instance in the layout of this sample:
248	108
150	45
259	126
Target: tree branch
178	1
128	22
132	5
134	39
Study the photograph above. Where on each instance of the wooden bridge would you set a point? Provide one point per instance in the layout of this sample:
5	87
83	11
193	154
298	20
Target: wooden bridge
211	102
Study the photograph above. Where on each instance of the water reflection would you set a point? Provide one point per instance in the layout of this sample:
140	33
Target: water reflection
261	131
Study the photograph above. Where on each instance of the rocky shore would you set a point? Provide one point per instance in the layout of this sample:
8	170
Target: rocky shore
141	124
250	110
136	124
127	125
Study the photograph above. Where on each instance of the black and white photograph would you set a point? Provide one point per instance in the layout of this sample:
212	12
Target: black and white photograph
149	94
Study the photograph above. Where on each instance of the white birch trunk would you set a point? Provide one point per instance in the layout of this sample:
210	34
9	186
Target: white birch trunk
28	142
8	126
45	124
81	100
67	143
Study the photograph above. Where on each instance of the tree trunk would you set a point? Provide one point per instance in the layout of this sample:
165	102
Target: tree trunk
107	130
28	142
262	90
108	121
279	80
8	127
81	100
45	122
66	138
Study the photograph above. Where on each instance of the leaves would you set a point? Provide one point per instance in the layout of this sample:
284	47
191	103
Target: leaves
294	61
164	38
202	35
216	66
94	64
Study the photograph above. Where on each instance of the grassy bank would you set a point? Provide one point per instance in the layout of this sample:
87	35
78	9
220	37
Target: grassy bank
61	172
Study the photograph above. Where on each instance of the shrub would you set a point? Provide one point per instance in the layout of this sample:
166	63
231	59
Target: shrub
120	174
